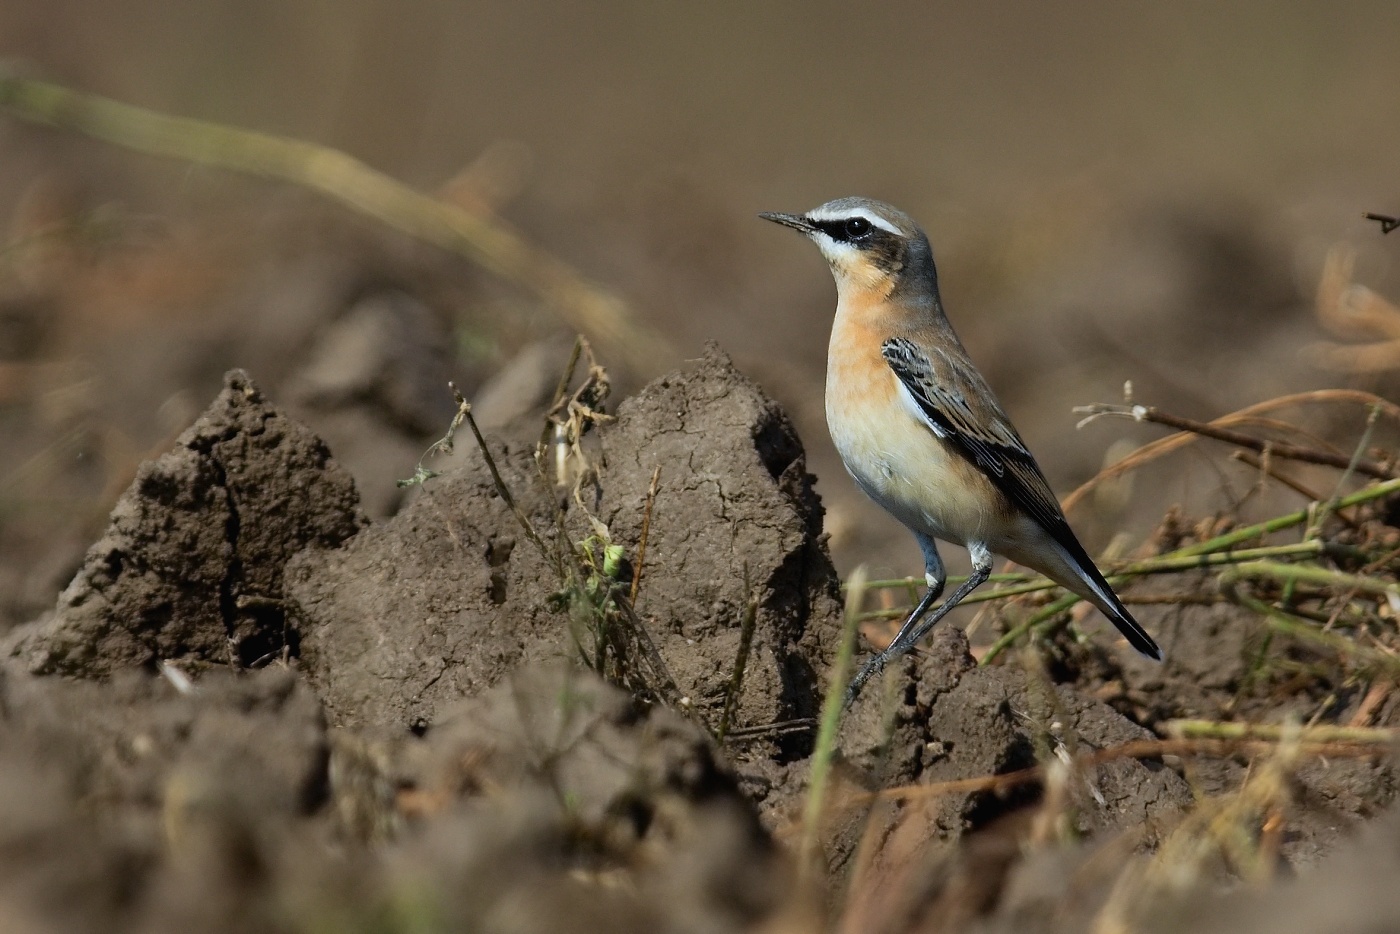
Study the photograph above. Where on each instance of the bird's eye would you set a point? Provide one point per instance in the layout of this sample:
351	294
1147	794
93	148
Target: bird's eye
857	228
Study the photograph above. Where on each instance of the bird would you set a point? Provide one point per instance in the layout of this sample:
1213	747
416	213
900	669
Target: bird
921	432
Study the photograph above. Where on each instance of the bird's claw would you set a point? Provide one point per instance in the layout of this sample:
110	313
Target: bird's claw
874	666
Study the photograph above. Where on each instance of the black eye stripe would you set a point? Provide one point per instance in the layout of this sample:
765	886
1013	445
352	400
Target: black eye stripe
847	229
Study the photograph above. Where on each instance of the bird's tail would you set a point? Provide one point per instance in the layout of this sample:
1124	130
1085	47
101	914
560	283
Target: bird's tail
1086	581
1108	603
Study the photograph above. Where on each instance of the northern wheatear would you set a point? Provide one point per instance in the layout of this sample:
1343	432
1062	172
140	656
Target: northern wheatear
920	431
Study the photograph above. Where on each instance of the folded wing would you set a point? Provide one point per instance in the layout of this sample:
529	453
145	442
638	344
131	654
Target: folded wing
958	406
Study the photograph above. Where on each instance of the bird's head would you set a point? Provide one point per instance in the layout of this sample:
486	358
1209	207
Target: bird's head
871	246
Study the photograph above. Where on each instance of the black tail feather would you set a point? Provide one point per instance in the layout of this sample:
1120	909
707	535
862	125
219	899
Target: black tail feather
1102	596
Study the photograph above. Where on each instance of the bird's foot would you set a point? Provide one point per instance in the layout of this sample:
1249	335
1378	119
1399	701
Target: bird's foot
870	669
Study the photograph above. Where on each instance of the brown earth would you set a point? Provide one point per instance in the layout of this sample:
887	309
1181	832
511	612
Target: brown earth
1114	192
253	710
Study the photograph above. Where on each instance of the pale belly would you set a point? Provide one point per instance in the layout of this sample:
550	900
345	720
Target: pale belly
898	462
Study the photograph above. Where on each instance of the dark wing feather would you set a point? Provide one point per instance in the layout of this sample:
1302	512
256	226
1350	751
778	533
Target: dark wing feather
946	388
959	408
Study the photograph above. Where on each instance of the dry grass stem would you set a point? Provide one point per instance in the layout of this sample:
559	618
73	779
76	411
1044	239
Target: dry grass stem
1162	446
1317	735
1264	743
645	534
479	236
1218	432
1267	469
741	659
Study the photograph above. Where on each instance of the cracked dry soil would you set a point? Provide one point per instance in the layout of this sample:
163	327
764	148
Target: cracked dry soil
388	727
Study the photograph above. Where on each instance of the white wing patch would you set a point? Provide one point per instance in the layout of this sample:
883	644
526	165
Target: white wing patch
916	410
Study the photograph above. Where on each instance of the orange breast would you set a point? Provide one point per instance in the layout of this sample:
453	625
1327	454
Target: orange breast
893	455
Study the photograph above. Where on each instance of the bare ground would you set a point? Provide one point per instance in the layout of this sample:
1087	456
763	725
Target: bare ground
255	710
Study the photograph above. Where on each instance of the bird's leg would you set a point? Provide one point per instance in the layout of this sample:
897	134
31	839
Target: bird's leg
935	576
917	626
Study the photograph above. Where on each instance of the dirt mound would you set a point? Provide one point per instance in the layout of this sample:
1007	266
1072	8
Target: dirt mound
536	798
129	805
431	751
444	599
191	566
1213	672
945	719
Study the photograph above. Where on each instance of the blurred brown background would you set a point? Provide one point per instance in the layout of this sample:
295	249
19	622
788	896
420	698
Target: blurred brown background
1114	191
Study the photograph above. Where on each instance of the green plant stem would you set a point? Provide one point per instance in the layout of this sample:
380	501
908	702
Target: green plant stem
832	706
894	583
741	660
1163	564
1205	554
1246	559
1278	523
1309	574
1283	622
1357	454
1032	623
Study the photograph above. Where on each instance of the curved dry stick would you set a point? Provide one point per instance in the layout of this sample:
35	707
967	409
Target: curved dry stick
1291	430
1162	446
1135	749
1217	431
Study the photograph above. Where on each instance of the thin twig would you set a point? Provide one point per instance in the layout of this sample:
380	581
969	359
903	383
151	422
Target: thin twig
443	445
741	734
646	531
1261	464
669	691
1138	749
1147	413
504	490
921	583
572	415
1323	733
1387	222
1315	526
1376	696
560	391
741	658
1162	446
